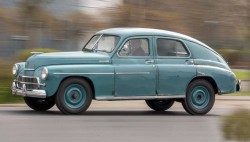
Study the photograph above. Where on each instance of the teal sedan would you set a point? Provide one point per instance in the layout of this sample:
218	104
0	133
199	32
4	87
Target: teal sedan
158	66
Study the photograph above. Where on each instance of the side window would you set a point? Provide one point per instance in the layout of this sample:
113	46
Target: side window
135	47
170	47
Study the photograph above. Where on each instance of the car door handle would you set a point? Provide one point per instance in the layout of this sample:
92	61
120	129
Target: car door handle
149	61
189	62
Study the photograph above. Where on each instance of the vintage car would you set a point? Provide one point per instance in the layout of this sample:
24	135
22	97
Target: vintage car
158	66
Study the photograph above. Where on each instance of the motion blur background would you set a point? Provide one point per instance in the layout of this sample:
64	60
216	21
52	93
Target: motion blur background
51	25
66	25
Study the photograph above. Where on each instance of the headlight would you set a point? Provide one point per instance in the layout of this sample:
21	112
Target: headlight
45	73
15	69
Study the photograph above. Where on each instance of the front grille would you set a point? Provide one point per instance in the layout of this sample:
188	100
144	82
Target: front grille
29	81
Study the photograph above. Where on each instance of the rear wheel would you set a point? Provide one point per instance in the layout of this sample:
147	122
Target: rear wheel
200	98
74	96
160	105
39	104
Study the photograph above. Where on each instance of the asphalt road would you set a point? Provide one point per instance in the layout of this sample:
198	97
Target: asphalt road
106	124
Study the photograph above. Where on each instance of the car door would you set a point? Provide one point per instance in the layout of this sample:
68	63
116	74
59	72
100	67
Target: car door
175	66
135	70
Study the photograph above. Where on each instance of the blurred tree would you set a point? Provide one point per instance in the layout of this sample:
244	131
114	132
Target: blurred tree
33	14
133	14
2	21
8	22
78	23
38	21
216	22
222	24
119	16
73	27
33	17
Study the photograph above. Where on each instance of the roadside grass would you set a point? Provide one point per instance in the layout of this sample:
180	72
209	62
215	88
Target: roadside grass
239	94
6	97
6	79
242	74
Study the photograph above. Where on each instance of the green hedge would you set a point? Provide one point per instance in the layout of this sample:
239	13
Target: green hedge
25	54
6	79
233	57
230	55
6	76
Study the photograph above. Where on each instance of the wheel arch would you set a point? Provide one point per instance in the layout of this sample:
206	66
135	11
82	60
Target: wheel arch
81	77
208	79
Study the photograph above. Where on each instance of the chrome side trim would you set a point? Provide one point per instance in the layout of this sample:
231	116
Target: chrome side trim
27	69
141	97
132	73
69	73
104	61
121	73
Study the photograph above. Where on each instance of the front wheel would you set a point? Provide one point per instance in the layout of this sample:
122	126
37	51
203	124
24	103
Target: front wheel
200	98
74	96
39	104
160	105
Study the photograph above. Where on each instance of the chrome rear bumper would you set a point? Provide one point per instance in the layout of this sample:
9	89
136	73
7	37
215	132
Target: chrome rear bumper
27	93
238	85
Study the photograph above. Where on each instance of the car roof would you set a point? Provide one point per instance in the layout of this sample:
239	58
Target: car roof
147	32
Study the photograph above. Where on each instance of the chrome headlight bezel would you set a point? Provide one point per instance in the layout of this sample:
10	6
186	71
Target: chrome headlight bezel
15	69
44	73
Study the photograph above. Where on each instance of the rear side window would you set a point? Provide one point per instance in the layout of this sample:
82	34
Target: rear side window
171	48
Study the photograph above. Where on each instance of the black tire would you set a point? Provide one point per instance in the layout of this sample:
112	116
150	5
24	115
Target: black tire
159	105
40	104
200	97
74	96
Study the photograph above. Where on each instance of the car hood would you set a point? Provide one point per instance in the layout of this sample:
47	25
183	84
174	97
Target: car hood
57	58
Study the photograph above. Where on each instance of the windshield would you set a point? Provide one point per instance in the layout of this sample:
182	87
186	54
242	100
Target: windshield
105	43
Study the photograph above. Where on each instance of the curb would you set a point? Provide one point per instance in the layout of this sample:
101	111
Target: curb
233	98
13	105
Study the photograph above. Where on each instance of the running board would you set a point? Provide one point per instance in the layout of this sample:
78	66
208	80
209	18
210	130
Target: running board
140	98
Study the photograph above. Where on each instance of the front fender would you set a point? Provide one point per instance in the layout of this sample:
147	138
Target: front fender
101	76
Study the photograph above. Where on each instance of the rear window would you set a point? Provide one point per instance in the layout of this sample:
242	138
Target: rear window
171	47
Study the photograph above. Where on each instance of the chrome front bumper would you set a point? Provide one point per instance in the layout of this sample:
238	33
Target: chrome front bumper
27	93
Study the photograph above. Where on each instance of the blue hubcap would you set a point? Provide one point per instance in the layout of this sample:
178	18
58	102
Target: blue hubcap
75	96
200	97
